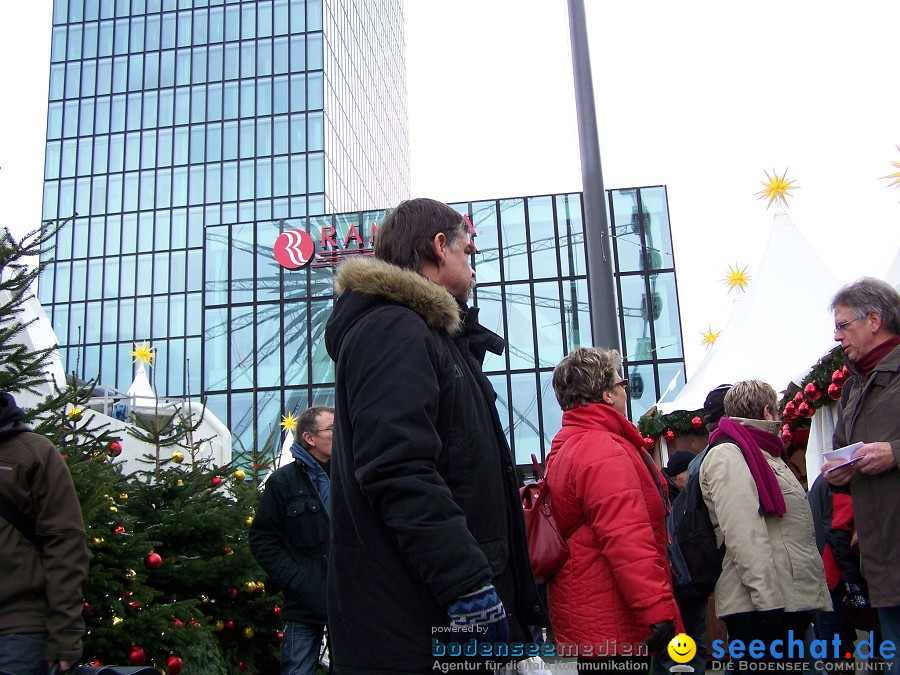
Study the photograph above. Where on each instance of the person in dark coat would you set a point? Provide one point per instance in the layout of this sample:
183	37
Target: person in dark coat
676	471
867	324
289	539
43	552
428	539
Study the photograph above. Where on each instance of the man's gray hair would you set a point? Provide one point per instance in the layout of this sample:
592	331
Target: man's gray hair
867	295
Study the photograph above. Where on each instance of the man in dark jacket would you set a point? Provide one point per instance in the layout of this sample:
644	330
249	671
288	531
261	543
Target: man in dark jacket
289	539
43	553
428	541
867	324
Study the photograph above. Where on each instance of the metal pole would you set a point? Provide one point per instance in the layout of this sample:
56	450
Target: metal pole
601	287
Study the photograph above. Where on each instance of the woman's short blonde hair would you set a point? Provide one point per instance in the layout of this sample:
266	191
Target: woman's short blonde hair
748	399
584	375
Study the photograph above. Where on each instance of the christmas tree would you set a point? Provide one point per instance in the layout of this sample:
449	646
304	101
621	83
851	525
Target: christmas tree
172	582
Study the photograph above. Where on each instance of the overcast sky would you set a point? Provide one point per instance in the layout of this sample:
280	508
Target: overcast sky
699	96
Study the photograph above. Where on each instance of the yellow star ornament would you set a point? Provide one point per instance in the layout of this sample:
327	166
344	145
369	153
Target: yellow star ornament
896	174
143	353
709	337
288	422
776	188
737	278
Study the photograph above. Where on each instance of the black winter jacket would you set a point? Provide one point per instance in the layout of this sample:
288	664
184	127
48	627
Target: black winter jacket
289	539
424	493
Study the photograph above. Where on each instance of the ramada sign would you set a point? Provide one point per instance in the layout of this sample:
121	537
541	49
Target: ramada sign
295	249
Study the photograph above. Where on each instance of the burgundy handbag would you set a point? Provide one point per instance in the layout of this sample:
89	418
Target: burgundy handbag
547	547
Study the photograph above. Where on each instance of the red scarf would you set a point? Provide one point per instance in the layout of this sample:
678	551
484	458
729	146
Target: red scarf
868	362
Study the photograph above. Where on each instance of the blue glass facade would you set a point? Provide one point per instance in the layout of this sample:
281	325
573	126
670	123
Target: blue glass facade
185	135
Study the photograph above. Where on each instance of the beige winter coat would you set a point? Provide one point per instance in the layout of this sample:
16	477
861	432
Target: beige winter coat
770	562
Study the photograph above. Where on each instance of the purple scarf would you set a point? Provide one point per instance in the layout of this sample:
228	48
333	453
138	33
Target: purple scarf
752	442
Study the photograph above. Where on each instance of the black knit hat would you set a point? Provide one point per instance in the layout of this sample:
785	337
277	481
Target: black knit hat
678	462
714	405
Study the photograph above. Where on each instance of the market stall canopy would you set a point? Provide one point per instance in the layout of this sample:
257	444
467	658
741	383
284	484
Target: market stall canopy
781	326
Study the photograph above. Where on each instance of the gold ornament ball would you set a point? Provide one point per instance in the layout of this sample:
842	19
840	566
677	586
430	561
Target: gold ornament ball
178	456
248	633
203	598
130	575
248	521
114	509
116	620
260	587
122	497
239	476
220	626
251	586
179	482
98	542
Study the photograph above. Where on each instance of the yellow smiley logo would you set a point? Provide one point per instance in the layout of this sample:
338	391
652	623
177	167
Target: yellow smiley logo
682	648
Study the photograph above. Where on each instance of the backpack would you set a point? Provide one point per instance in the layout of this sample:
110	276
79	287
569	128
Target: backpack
695	558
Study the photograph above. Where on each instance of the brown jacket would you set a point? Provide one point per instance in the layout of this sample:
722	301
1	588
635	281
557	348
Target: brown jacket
40	590
872	414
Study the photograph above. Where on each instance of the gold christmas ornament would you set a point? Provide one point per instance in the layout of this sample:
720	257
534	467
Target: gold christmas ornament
203	598
178	456
251	586
114	509
248	521
179	482
122	497
260	587
239	476
116	620
220	626
248	633
75	414
130	575
98	542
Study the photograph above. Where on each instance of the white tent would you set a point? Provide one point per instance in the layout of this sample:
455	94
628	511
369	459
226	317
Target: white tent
781	326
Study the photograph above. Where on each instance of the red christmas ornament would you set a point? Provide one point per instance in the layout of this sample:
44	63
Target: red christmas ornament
137	656
790	411
193	623
838	376
276	610
233	592
805	410
846	372
134	606
173	664
787	437
127	594
178	622
229	625
242	665
649	443
97	663
119	529
86	608
216	481
114	449
798	397
227	550
812	392
279	635
696	422
834	391
669	435
153	561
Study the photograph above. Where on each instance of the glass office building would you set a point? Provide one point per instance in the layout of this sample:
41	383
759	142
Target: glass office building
185	135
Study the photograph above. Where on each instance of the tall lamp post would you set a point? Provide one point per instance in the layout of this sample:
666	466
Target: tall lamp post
601	287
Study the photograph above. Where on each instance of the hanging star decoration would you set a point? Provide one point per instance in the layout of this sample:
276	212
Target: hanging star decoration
709	337
288	422
776	188
737	278
143	353
895	175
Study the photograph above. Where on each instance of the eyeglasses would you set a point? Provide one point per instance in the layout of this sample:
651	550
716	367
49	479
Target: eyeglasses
842	326
623	384
319	431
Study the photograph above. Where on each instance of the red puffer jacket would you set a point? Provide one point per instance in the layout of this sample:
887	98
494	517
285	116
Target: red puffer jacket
617	581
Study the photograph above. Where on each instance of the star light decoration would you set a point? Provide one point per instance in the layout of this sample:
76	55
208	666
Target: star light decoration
895	175
709	337
143	353
737	278
288	422
776	188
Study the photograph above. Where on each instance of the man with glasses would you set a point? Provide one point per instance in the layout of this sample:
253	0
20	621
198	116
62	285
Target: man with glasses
289	539
867	324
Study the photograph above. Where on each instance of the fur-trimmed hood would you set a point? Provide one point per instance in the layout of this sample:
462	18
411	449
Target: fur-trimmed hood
431	301
363	283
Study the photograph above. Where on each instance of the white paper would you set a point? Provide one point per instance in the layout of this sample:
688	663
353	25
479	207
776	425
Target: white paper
843	453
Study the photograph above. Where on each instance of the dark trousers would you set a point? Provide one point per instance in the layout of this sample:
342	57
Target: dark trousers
790	628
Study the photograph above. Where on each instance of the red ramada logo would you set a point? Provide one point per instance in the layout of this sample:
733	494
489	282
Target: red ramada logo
294	249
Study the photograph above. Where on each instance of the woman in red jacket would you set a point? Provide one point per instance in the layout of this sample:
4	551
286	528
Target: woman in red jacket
613	598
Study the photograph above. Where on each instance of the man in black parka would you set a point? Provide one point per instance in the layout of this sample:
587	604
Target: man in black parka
428	541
